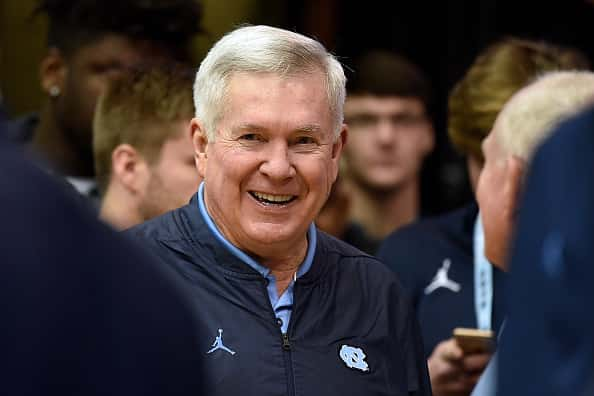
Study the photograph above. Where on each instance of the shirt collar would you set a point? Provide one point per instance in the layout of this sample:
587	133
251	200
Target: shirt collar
265	271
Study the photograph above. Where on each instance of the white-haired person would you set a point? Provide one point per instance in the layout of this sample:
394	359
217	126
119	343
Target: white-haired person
525	121
290	309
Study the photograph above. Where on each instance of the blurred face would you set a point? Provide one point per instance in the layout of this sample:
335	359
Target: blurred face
173	179
497	196
86	74
388	139
273	162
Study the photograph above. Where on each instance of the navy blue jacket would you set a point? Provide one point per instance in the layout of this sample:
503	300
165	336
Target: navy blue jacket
417	251
346	298
83	313
547	347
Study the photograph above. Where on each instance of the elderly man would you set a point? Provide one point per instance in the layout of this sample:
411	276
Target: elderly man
548	344
525	121
290	310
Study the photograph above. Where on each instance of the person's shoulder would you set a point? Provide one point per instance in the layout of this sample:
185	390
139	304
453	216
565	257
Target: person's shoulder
574	137
348	258
430	237
166	227
448	225
20	130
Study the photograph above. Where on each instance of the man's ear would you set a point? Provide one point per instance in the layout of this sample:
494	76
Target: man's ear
337	147
340	142
515	168
129	169
427	143
52	72
200	142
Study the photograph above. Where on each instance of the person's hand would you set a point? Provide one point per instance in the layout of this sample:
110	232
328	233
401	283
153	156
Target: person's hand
453	373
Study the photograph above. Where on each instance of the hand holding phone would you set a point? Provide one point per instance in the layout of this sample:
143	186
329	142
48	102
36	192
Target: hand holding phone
475	340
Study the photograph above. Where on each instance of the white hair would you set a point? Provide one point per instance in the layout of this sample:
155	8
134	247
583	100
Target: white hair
533	113
263	49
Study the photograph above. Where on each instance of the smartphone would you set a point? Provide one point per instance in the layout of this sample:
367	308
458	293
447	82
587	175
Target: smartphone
475	340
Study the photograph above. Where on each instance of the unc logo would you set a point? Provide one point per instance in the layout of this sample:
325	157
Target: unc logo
353	357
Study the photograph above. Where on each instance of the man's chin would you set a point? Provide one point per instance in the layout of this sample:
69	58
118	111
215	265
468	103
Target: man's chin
382	186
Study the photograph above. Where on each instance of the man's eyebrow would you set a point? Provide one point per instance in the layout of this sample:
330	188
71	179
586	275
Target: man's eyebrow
310	128
248	128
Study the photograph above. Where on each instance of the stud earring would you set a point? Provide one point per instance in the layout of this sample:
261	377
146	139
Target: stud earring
54	91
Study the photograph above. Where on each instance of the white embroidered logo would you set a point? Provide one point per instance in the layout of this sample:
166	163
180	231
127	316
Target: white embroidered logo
218	344
441	279
353	357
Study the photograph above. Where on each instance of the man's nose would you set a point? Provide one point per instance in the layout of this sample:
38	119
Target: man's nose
277	163
385	131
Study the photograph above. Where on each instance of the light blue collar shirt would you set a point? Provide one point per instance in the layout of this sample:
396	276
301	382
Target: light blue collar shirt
283	304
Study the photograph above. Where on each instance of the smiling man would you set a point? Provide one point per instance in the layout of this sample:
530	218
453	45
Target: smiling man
290	309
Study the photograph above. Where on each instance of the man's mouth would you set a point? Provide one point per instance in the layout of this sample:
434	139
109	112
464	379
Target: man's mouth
272	199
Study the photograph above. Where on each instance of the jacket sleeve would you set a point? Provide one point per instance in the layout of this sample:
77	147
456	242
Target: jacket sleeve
414	355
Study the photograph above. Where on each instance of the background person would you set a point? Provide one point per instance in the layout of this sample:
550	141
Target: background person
420	251
388	113
84	311
550	321
526	120
91	42
143	153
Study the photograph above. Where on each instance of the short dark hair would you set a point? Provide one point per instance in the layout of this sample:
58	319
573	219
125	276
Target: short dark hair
74	23
384	73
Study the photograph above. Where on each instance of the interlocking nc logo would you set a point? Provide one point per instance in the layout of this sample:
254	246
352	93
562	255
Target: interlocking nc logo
353	357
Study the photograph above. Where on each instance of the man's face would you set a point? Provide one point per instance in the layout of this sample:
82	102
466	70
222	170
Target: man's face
273	162
86	74
388	139
173	178
497	196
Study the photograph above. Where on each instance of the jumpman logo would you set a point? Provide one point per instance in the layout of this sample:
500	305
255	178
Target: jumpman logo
218	344
441	279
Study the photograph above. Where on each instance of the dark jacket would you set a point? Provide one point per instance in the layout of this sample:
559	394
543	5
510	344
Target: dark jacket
83	313
346	298
547	348
417	251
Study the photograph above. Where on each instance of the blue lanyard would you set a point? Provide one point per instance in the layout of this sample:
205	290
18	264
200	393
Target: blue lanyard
483	279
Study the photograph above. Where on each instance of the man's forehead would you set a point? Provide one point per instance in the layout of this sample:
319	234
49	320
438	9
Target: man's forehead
256	101
383	104
262	86
114	46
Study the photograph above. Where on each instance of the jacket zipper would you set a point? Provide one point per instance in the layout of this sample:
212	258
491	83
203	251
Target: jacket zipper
288	364
285	343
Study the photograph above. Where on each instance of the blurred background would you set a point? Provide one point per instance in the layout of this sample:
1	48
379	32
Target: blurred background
441	37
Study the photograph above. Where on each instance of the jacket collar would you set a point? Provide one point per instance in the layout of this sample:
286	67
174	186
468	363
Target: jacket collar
197	231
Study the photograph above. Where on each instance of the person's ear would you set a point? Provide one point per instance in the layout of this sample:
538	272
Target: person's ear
129	169
200	142
427	138
340	142
52	72
337	148
515	168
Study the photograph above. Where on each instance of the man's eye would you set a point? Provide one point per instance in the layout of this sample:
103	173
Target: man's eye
362	120
111	69
250	137
305	140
